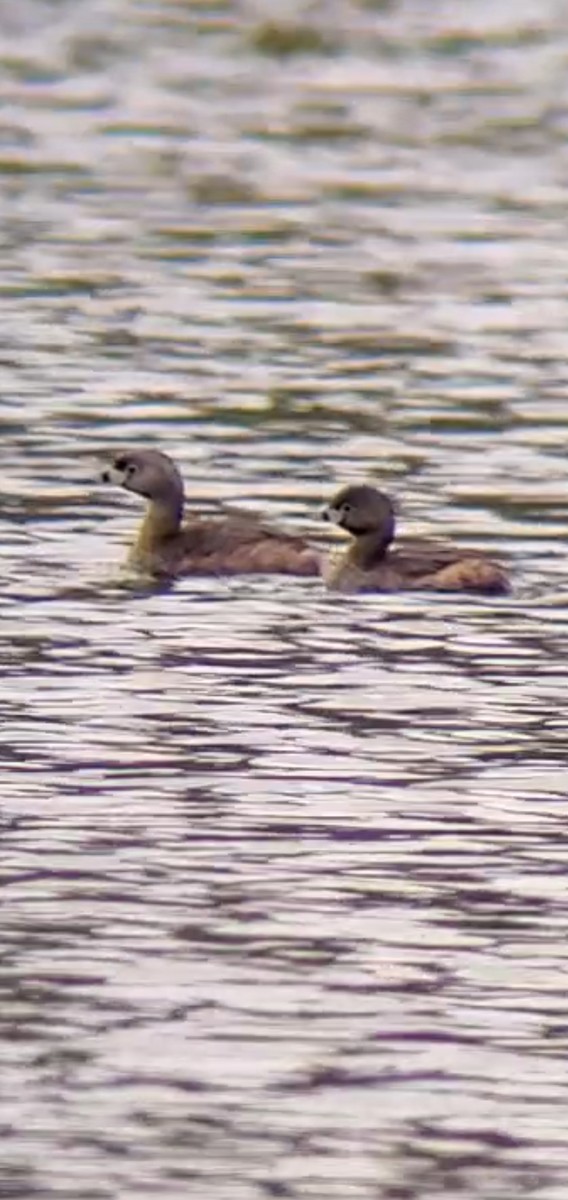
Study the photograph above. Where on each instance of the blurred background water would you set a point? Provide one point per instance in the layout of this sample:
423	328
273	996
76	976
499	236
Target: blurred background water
283	874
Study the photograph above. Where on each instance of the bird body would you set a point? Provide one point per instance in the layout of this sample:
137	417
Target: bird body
228	545
372	564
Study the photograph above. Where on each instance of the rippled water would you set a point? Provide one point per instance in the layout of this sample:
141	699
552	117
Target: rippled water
284	874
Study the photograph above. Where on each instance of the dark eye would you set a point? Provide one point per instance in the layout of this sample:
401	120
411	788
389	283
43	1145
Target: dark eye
346	508
123	464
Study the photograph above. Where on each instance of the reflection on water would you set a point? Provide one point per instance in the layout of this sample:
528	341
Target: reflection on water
283	873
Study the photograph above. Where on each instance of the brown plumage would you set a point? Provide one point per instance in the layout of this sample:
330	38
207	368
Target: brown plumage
228	545
371	565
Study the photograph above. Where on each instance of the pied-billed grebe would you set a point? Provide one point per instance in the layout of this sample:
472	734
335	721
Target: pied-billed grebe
370	564
230	545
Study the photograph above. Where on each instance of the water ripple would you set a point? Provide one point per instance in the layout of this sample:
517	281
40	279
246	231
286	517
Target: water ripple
283	873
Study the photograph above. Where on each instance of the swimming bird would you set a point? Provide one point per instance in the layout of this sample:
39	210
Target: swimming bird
227	545
371	563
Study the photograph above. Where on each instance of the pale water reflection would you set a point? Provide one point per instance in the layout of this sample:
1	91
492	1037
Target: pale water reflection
284	874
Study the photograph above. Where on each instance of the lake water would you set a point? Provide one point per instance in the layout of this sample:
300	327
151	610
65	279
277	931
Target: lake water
284	903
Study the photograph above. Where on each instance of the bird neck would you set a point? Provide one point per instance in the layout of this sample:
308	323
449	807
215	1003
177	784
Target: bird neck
368	549
161	522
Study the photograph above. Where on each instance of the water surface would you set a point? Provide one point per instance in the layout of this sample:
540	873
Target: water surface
284	874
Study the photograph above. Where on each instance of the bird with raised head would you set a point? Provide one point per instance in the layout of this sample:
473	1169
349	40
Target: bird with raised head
228	545
372	563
